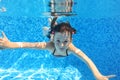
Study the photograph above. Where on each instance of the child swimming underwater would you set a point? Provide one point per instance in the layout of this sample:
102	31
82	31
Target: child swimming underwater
60	45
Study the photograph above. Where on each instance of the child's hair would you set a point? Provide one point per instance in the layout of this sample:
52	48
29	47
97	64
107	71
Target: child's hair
62	27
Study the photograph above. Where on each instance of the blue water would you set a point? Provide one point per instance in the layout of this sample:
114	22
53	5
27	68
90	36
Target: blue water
98	35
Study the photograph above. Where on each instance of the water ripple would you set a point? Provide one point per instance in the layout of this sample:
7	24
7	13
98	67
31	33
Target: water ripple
68	73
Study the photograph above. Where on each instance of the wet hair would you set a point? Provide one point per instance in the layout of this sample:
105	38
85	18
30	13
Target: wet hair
62	27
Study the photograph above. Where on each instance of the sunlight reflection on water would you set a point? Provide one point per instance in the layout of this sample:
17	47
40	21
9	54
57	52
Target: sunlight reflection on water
68	73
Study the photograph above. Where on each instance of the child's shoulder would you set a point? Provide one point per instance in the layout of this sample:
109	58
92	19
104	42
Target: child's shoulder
50	45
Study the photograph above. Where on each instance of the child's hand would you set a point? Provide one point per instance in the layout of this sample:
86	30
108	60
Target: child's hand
106	77
4	42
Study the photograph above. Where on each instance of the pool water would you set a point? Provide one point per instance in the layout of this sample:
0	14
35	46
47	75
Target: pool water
98	35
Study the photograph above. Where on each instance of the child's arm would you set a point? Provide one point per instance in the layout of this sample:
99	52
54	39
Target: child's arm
90	64
6	43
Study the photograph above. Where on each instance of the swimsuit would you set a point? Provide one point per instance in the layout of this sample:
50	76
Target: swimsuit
60	55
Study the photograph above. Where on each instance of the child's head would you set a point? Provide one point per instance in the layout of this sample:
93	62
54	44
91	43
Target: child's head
62	35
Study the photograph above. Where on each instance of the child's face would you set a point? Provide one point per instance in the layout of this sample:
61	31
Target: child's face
62	40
